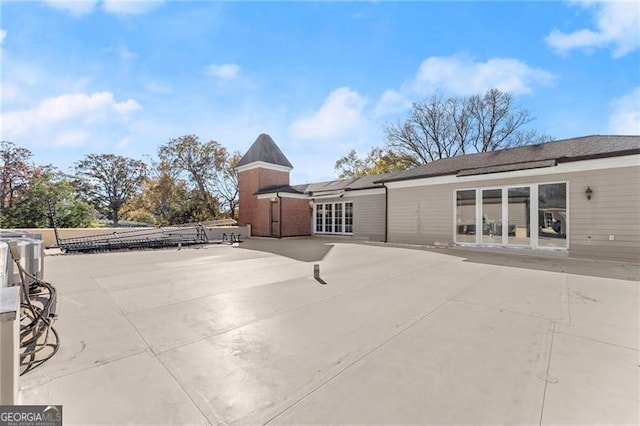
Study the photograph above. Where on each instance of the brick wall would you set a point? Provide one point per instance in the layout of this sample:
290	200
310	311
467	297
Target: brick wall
297	217
252	210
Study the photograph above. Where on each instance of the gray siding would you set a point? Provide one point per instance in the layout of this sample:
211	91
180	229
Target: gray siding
368	217
424	215
614	210
421	215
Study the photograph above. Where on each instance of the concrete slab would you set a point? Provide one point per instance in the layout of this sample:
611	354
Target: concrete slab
252	372
396	335
167	288
462	364
537	293
591	383
94	333
600	309
133	390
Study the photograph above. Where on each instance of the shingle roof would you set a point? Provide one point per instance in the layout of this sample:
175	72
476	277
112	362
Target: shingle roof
280	188
525	157
360	182
264	149
350	184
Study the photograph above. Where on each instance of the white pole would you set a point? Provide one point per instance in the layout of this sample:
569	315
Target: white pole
9	344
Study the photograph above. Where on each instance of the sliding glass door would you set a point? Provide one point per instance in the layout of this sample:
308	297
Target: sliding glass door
519	215
533	215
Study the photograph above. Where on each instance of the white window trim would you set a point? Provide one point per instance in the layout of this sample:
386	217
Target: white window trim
533	212
333	209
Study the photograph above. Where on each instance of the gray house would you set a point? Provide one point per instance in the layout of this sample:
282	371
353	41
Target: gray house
580	196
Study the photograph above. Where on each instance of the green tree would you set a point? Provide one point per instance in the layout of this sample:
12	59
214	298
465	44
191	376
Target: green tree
377	161
163	195
226	184
108	181
445	127
46	194
208	168
16	171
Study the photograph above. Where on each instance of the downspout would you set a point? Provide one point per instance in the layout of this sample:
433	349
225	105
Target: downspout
279	215
386	212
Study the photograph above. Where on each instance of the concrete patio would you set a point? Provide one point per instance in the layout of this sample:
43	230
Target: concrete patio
245	335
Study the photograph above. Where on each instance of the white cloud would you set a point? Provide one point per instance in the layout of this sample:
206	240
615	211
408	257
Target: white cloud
625	115
116	7
390	102
3	35
158	87
223	71
119	7
75	8
462	76
9	92
617	25
71	138
339	117
77	111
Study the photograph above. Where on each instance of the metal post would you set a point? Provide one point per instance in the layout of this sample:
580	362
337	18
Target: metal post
316	274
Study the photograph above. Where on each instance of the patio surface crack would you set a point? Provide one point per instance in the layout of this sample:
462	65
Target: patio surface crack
546	376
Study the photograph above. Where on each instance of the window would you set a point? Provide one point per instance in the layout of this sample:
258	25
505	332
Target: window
492	216
552	214
519	215
466	216
508	215
334	218
319	218
328	218
348	218
338	219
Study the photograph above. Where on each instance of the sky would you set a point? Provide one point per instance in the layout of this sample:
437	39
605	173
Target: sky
321	78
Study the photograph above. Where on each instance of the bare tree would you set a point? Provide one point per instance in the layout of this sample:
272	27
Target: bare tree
108	181
445	127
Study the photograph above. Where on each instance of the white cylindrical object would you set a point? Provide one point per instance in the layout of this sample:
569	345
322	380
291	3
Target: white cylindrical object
9	345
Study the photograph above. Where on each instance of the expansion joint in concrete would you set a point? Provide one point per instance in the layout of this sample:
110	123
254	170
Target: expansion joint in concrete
546	376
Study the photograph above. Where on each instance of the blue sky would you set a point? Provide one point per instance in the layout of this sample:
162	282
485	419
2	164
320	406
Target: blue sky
321	78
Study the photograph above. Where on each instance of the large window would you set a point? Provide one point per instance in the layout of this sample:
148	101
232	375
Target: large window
337	223
519	213
334	218
319	217
348	218
552	215
530	215
466	216
492	216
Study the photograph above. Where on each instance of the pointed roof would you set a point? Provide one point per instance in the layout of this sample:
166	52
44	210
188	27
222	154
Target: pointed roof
265	150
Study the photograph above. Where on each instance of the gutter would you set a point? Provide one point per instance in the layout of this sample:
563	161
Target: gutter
386	212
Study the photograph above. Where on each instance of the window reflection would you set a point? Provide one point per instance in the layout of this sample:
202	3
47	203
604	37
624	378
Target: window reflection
466	216
519	216
492	216
552	215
